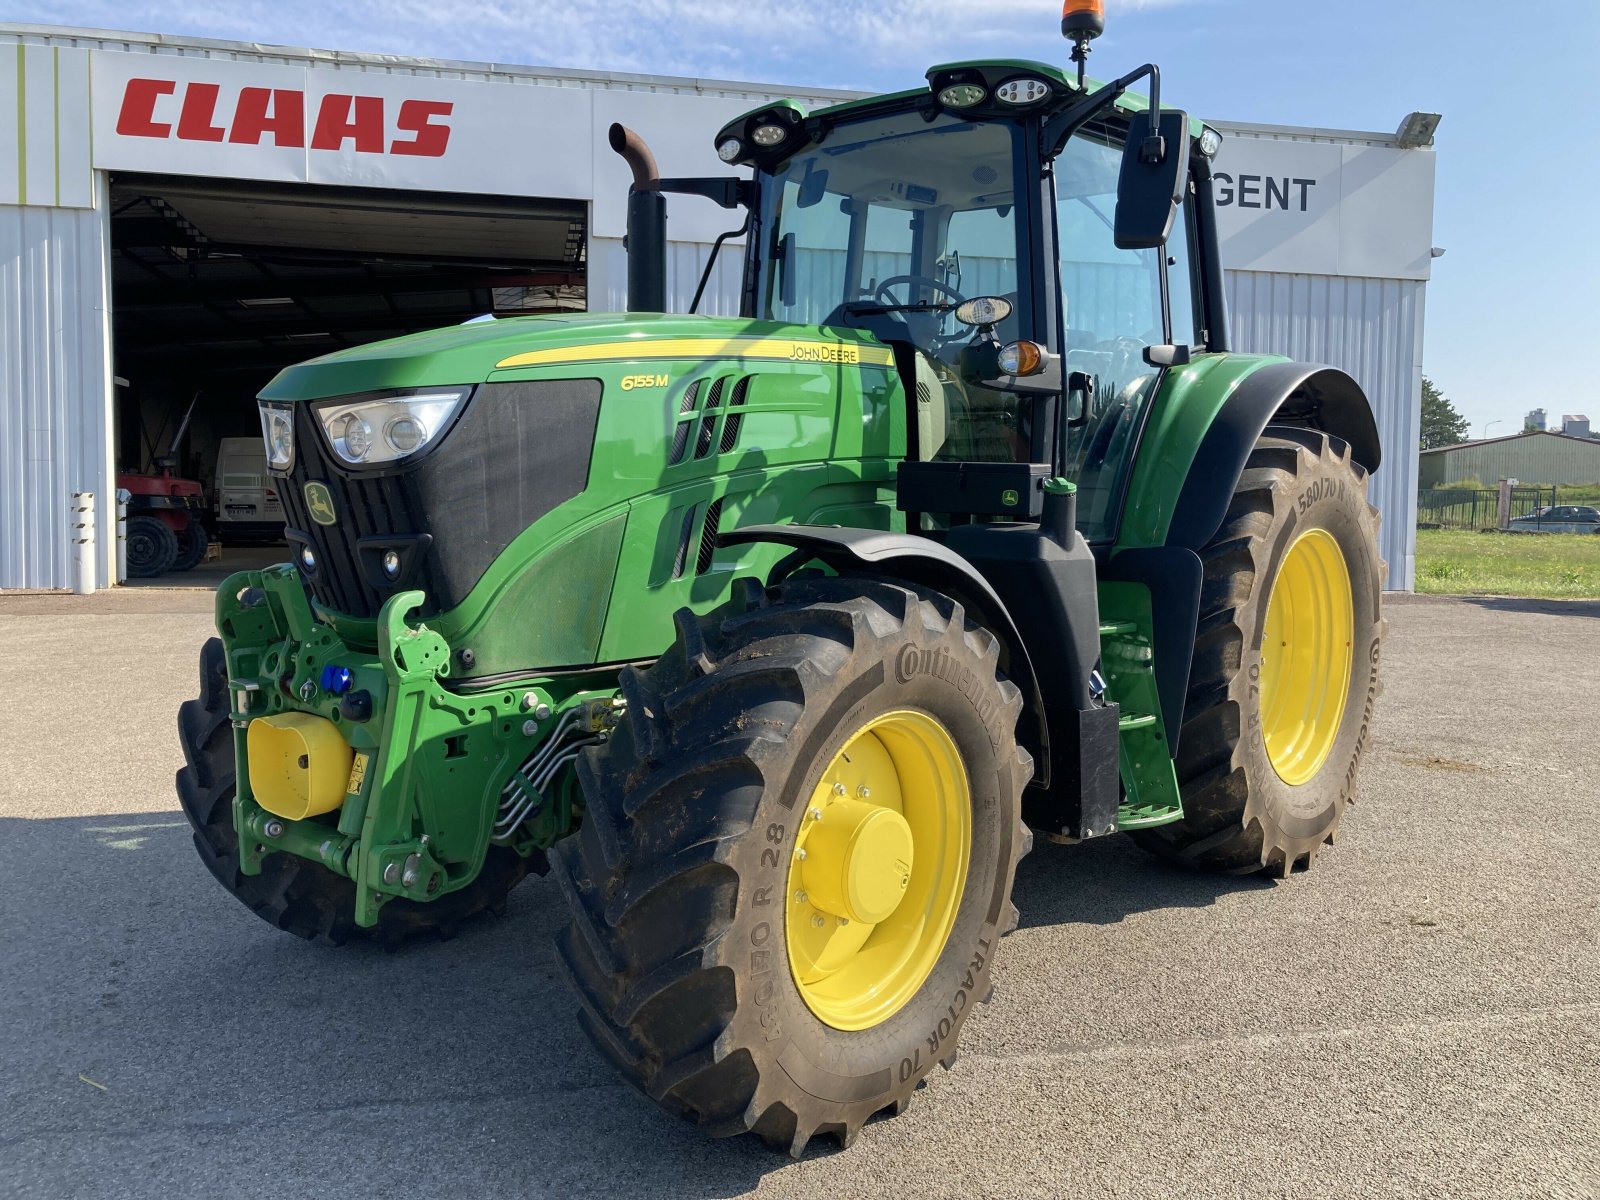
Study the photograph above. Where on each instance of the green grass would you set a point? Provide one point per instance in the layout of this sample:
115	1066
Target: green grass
1549	566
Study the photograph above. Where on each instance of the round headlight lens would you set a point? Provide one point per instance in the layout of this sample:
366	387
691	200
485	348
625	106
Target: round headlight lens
282	437
962	95
308	558
768	135
1022	91
391	564
730	150
405	433
1210	142
357	435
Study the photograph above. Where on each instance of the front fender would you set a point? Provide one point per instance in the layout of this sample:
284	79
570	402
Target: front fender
910	558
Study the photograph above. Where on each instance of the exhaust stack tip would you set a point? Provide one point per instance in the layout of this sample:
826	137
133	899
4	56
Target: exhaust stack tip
635	153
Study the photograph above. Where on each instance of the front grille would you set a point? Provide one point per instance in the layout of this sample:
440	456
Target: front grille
516	451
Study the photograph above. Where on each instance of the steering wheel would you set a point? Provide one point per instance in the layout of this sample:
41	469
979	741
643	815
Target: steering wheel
911	283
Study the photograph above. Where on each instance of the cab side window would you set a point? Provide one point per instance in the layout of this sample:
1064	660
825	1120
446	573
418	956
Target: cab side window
1112	307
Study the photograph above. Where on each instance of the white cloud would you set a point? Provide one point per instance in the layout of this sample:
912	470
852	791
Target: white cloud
886	43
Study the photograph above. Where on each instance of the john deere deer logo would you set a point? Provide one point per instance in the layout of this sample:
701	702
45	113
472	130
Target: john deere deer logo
319	502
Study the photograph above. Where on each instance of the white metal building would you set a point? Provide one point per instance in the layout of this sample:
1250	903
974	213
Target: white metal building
174	210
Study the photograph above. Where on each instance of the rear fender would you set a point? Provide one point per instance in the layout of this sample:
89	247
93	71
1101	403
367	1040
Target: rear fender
1307	395
1220	406
908	558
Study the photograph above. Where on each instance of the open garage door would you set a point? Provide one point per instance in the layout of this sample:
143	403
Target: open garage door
219	284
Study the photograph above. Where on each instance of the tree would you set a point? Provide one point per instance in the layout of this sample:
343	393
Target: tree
1442	425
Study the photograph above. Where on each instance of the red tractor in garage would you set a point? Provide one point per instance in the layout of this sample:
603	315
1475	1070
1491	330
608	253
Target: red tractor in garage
166	530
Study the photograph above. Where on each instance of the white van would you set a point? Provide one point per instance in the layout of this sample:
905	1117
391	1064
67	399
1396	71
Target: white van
247	500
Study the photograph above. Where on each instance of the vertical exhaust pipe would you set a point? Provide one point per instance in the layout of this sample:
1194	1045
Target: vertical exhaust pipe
647	224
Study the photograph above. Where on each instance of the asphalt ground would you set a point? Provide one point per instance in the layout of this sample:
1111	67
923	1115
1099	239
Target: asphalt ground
1416	1017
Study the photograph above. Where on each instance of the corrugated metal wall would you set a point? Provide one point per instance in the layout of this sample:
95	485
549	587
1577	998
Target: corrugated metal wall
608	276
1531	458
54	409
1372	329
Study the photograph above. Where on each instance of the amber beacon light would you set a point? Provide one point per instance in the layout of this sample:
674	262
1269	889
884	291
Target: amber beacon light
1081	22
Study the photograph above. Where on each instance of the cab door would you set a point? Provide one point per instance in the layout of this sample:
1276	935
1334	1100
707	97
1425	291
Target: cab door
1114	304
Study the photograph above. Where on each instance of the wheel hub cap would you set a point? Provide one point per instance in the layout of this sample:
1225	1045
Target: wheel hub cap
879	869
858	861
1306	656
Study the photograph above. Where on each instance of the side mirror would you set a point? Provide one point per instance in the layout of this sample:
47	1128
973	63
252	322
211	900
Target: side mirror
1153	180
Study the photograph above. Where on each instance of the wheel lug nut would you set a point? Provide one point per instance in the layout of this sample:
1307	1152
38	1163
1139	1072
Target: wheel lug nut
818	921
844	920
838	789
814	813
864	792
800	897
800	854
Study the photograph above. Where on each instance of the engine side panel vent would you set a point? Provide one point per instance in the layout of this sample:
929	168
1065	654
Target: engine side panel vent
680	432
685	535
708	421
708	537
731	422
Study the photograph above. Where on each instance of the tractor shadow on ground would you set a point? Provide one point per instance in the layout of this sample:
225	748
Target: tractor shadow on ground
164	1037
225	1055
1099	882
1547	608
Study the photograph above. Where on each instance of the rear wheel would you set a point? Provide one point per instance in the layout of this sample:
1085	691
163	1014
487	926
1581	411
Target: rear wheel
291	893
192	544
797	857
1285	665
152	547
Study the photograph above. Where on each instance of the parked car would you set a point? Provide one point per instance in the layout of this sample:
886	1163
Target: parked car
1559	518
248	507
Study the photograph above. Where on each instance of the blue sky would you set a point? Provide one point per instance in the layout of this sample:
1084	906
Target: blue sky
1512	304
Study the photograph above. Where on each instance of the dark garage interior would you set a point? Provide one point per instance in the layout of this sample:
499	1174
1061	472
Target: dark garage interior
218	284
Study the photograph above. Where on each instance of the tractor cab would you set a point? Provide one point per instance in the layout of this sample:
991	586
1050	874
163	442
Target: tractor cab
1033	251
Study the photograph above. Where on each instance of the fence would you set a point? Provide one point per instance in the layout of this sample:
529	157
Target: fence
1476	508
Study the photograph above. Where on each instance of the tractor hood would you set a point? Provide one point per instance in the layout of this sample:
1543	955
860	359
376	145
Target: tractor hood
515	347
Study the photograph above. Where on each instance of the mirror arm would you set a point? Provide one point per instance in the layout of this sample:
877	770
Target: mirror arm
1068	121
728	191
1044	382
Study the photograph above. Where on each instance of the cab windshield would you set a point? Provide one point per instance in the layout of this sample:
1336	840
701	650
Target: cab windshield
887	226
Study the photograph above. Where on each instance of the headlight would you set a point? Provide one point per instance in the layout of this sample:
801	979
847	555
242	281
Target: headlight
730	149
277	432
368	430
768	135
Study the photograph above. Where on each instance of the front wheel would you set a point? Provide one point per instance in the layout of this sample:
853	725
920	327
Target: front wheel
796	861
1285	668
295	894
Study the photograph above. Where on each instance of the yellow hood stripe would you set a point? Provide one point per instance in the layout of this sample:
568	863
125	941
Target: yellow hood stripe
770	349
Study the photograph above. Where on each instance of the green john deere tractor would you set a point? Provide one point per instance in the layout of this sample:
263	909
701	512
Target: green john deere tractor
780	636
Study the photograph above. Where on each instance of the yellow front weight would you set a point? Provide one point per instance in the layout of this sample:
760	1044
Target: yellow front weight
299	764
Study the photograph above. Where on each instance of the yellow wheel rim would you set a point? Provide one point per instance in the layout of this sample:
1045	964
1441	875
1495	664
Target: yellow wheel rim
879	868
1306	656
